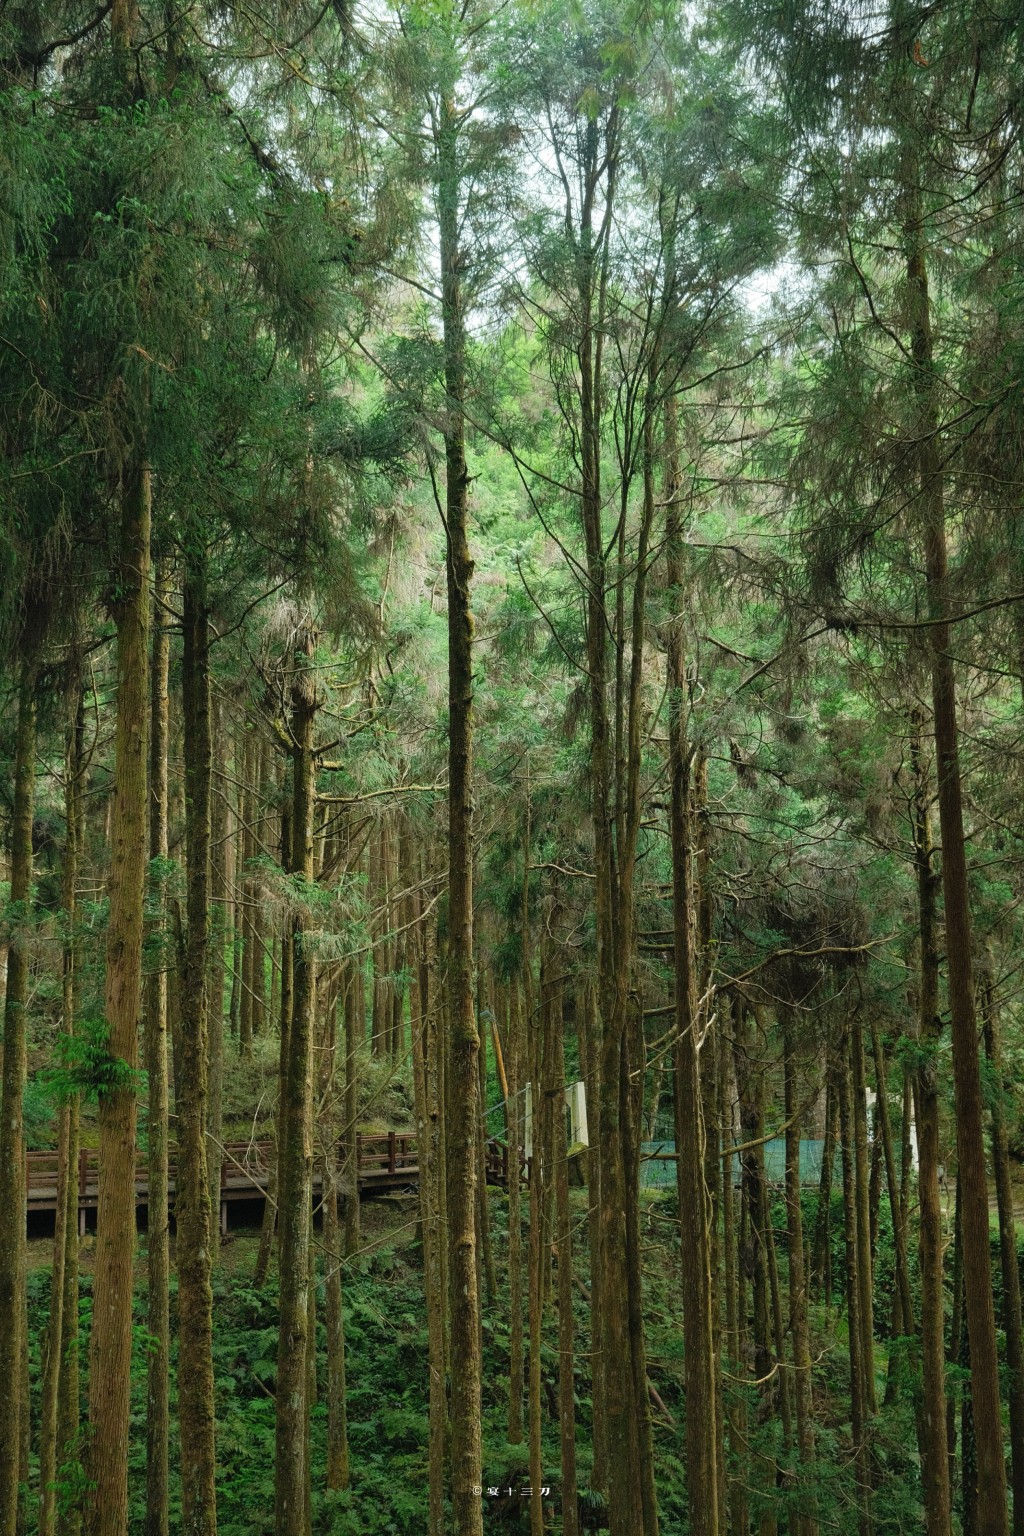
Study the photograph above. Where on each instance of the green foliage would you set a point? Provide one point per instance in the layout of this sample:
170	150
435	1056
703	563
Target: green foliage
85	1065
37	1111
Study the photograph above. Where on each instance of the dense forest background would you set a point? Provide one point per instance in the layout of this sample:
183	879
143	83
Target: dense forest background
512	536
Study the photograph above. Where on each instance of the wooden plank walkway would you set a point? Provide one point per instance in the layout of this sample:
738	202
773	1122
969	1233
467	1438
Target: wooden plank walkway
385	1160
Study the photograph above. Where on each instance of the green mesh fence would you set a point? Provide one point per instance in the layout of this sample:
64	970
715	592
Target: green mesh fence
658	1164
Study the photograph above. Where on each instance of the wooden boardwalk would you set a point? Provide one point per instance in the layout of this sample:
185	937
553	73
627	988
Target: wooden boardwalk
385	1160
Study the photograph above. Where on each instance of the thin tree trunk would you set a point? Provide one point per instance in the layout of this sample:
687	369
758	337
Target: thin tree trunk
821	1263
1012	1324
536	1037
268	1226
438	1345
463	1041
590	1034
220	900
378	896
157	1222
935	1467
192	1194
807	1521
354	1037
111	1341
955	1353
424	1086
694	1204
514	1038
858	1411
884	1133
972	1180
750	1091
736	1415
68	1383
295	1151
61	1322
337	1404
865	1306
563	1241
484	1248
247	802
13	1318
270	1208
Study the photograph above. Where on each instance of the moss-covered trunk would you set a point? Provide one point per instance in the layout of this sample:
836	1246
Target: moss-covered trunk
158	1260
111	1339
192	1195
13	1321
295	1143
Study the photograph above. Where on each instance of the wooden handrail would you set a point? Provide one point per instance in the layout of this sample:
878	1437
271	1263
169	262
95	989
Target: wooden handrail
380	1155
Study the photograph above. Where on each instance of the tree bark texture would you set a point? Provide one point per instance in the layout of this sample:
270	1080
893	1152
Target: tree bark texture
702	1447
1013	1328
935	1465
111	1341
972	1180
13	1320
192	1197
295	1141
158	1258
463	1041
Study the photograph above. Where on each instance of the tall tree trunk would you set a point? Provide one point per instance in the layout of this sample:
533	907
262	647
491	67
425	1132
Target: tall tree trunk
13	1319
424	1045
750	1091
884	1134
157	1222
247	802
821	1262
536	1037
563	1242
295	1147
694	1204
972	1181
736	1414
858	1408
111	1341
935	1468
354	1037
955	1354
807	1522
1009	1265
439	1340
221	877
353	992
381	1021
485	1252
463	1039
286	1005
337	1405
192	1195
590	1045
68	1383
514	1039
865	1306
63	1323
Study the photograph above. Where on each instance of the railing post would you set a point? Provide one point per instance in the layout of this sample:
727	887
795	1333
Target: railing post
391	1151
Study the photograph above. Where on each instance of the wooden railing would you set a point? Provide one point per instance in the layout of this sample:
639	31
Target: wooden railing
245	1166
383	1159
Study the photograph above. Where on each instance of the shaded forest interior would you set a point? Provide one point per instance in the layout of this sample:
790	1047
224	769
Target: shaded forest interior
511	697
